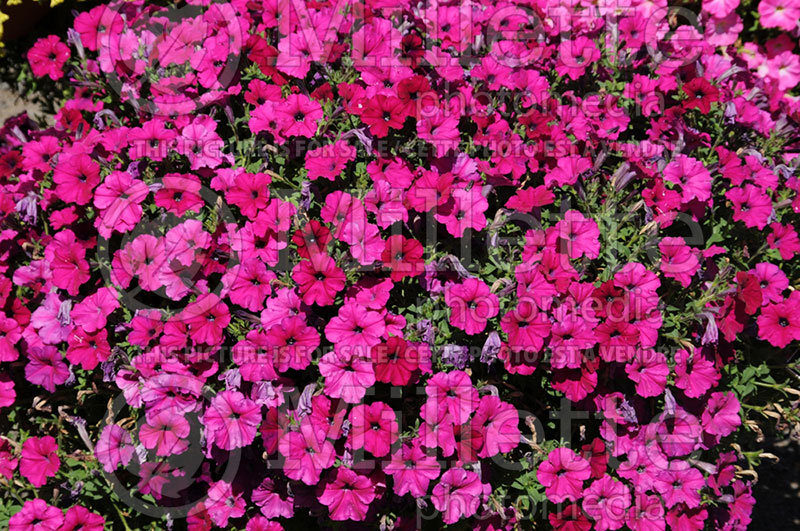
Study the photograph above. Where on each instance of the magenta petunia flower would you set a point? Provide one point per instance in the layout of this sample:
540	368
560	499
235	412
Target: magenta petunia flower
458	494
165	432
563	474
87	350
692	177
348	495
114	447
649	370
8	460
7	392
694	373
80	518
307	451
36	515
208	316
318	279
499	422
576	236
680	483
571	518
779	323
76	176
646	513
471	304
721	414
292	343
298	115
453	392
412	469
46	367
119	197
402	257
751	206
678	260
606	501
273	498
398	361
39	459
373	428
355	330
329	160
346	377
91	313
223	503
47	57
232	420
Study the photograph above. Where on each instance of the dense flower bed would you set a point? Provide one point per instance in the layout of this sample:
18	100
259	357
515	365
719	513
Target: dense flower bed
500	265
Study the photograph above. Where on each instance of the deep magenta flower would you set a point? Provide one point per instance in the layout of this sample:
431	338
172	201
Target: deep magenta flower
114	447
458	494
232	420
80	518
307	451
165	432
48	56
348	495
355	330
208	316
373	428
563	474
318	279
36	515
46	367
499	422
453	392
606	501
223	503
471	304
412	469
39	459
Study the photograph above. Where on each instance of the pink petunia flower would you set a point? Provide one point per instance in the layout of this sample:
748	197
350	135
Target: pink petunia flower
355	330
307	451
91	313
412	469
454	392
47	57
373	428
80	518
348	495
114	447
36	515
346	377
563	474
499	422
471	304
166	432
606	501
39	460
721	415
223	504
46	367
458	494
232	420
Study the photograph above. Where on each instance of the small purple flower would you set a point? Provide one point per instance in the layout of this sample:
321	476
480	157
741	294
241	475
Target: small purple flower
425	330
304	404
232	378
27	206
491	348
63	313
455	355
711	334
